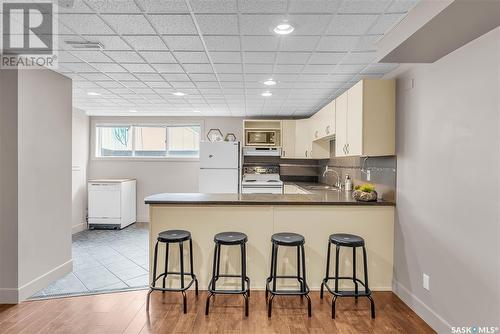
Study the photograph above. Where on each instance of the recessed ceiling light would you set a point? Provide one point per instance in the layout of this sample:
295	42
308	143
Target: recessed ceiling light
178	93
269	82
132	110
283	28
196	111
93	93
266	94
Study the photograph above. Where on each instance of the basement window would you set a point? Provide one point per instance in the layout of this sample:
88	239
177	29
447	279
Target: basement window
148	141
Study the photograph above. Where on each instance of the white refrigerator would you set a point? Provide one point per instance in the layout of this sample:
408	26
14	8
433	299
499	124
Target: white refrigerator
220	170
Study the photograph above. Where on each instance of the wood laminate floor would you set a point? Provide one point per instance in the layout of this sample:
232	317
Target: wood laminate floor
125	313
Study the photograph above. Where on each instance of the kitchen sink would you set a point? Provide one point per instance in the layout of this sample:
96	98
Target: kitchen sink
321	187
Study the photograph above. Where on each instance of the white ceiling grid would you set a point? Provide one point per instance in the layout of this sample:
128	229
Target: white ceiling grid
218	52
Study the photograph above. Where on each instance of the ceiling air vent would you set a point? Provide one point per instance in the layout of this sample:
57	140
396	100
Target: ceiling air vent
85	45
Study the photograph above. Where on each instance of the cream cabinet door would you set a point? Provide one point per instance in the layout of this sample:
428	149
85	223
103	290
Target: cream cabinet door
355	120
327	128
341	126
303	141
316	121
288	139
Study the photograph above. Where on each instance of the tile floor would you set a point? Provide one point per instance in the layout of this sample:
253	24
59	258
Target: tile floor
105	260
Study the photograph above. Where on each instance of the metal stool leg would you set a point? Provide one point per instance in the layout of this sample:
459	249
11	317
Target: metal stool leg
337	251
365	267
334	299
166	265
181	258
244	274
271	270
354	273
193	276
275	267
327	270
305	280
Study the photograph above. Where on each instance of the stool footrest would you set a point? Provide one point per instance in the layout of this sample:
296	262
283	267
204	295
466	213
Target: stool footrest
190	283
364	292
229	292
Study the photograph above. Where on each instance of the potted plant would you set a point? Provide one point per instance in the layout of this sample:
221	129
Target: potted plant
365	193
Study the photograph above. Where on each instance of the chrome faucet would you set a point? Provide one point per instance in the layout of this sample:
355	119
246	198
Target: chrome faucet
337	184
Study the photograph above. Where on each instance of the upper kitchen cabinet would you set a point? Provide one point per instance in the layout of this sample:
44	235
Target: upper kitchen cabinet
365	119
288	139
303	140
323	122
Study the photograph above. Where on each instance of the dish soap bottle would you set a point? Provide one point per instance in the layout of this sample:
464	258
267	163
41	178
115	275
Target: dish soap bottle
348	183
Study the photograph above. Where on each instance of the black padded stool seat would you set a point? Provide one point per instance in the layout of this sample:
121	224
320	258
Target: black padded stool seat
347	240
174	236
230	238
288	239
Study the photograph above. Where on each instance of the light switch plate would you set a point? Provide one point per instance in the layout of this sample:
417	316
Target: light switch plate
425	282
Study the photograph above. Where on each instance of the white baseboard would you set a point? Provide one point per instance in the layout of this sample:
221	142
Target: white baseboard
78	228
39	283
8	296
431	317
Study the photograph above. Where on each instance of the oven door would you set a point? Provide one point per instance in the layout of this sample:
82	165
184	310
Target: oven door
261	190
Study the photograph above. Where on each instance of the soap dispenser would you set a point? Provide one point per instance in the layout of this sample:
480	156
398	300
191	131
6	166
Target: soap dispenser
348	183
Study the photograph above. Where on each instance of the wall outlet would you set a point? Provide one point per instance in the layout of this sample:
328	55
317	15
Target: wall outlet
425	282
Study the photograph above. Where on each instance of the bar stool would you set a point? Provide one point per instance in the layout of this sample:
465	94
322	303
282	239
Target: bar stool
168	237
353	241
287	240
229	239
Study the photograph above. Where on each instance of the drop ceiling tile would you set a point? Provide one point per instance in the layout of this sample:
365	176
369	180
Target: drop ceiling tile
203	77
350	24
121	76
230	77
224	24
168	68
109	42
162	6
184	43
125	56
158	57
367	43
260	43
359	58
225	57
310	24
138	68
286	77
191	57
258	68
158	84
66	57
401	6
79	67
129	24
312	77
109	67
228	68
113	6
288	68
92	56
182	84
259	57
213	6
198	68
85	24
364	6
348	69
109	84
262	6
146	43
94	76
327	57
206	84
299	43
313	68
134	84
149	77
78	7
255	24
337	43
222	43
339	77
385	23
313	6
176	77
173	24
292	57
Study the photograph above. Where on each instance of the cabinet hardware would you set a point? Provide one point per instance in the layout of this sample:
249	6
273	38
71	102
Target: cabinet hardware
327	129
316	134
306	153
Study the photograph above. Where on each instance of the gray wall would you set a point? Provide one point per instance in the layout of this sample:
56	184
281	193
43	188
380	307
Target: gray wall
448	187
8	186
156	176
35	176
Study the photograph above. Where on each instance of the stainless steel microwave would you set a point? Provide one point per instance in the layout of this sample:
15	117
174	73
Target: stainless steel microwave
261	138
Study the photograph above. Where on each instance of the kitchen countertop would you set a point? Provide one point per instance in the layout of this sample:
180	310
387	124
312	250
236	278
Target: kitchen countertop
315	197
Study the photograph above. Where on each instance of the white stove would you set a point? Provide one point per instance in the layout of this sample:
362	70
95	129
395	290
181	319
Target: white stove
261	180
